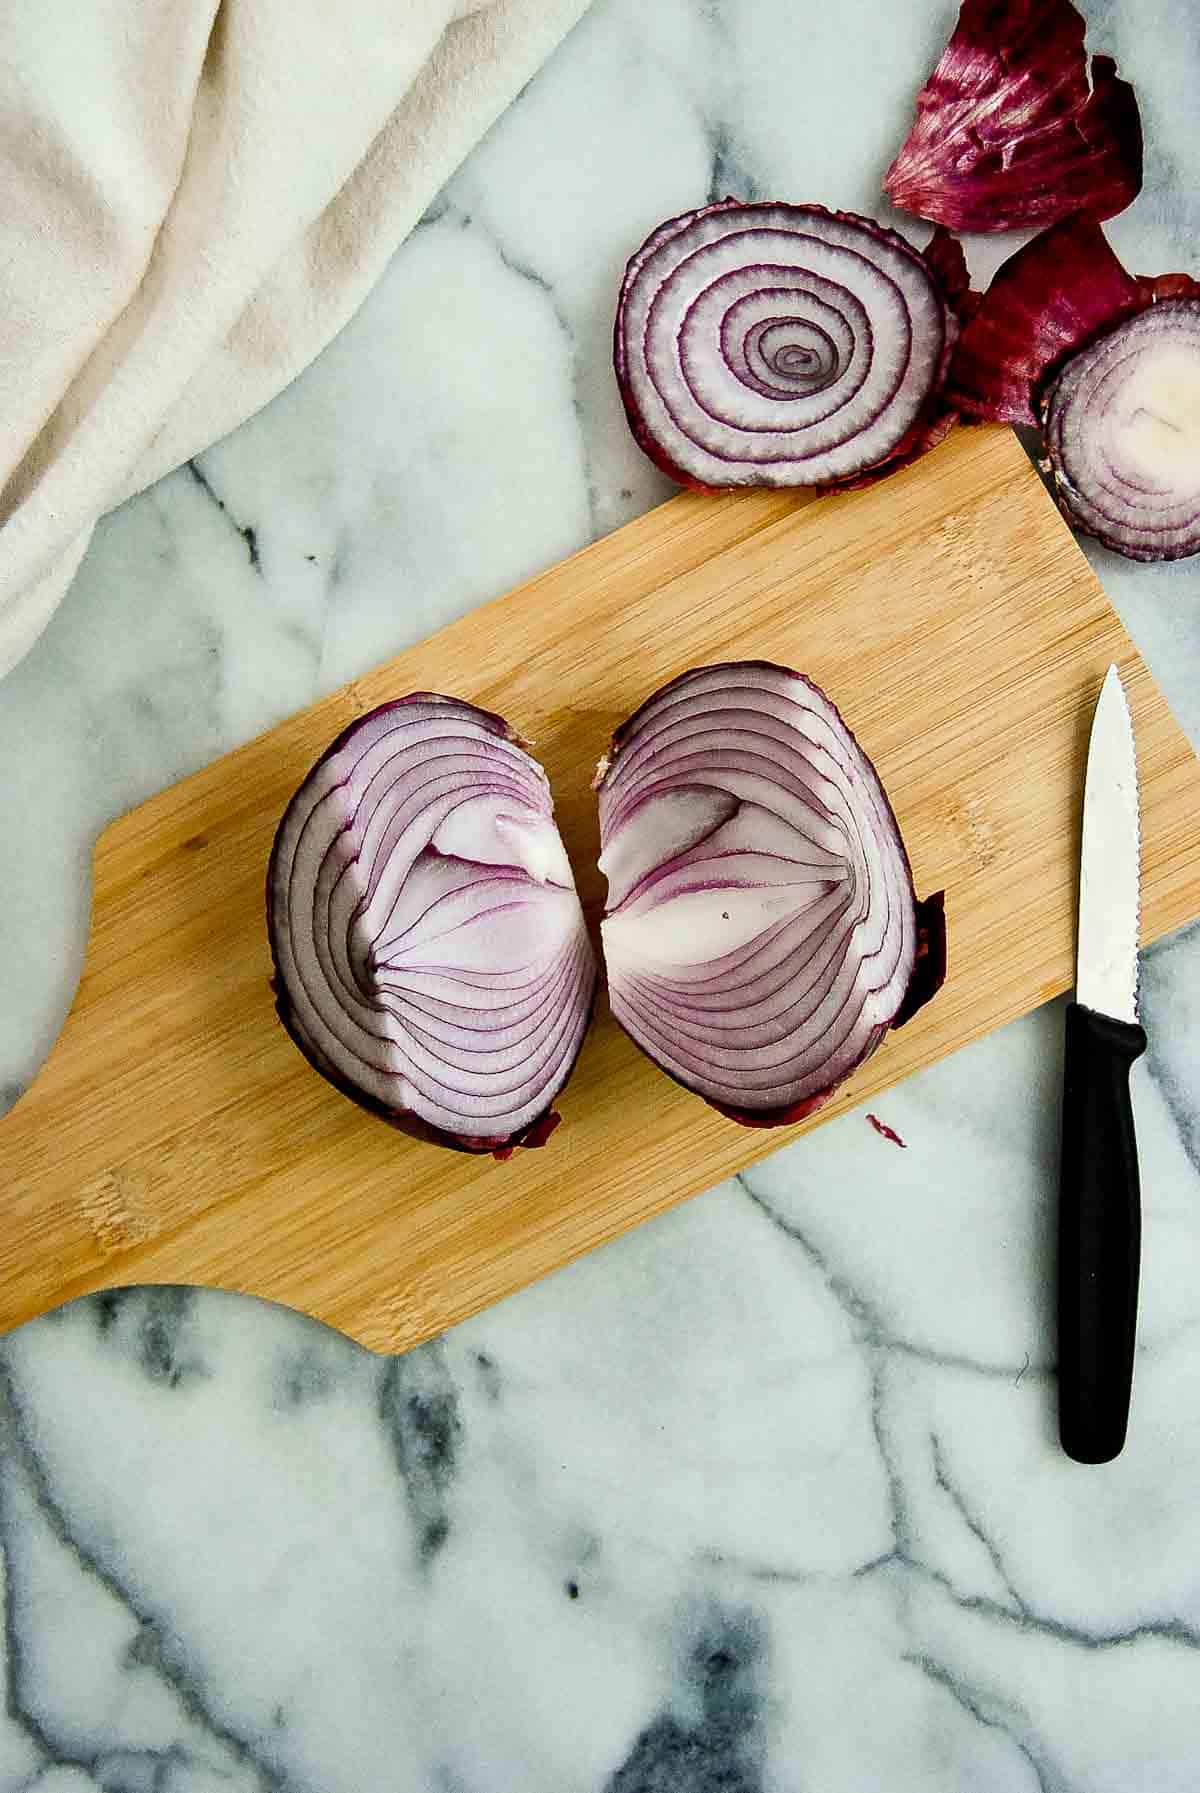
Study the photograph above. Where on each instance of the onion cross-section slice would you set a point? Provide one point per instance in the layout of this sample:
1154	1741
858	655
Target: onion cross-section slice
785	345
1122	425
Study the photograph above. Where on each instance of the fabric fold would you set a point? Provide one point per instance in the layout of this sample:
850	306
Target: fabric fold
194	199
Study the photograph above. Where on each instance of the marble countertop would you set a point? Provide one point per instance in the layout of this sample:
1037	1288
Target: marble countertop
766	1496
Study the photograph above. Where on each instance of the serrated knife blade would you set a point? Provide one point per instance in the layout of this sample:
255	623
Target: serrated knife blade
1106	976
1099	1231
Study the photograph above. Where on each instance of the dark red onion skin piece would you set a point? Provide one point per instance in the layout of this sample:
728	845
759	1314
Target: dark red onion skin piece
947	262
1049	300
1081	145
886	1132
536	1132
929	970
946	256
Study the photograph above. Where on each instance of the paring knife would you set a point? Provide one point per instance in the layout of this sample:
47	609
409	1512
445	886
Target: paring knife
1099	1201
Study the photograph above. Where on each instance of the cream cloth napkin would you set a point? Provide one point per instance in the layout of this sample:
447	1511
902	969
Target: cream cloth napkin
195	195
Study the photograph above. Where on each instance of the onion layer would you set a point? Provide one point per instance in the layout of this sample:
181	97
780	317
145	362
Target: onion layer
761	933
782	345
1014	128
430	951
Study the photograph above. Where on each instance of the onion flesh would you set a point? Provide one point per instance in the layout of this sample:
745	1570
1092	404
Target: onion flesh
430	951
1122	425
1107	364
1015	128
761	932
783	345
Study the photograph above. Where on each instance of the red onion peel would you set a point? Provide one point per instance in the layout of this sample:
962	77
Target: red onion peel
1014	128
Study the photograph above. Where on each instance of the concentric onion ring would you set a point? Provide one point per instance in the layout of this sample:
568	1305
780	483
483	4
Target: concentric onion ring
761	933
430	951
779	345
1122	425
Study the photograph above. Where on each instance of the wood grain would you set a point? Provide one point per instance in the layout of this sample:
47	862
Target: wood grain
175	1134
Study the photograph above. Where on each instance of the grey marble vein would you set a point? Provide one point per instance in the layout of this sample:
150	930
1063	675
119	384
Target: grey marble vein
247	531
153	1645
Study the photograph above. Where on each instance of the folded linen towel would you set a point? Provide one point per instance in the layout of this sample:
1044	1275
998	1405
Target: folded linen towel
195	196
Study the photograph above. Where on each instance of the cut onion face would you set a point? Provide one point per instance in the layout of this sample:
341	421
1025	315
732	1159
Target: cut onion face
1122	428
1014	128
430	952
761	932
781	345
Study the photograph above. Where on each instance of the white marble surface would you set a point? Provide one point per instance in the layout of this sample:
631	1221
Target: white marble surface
765	1497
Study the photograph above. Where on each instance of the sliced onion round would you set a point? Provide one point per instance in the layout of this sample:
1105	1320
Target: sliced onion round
761	933
1122	425
430	951
780	345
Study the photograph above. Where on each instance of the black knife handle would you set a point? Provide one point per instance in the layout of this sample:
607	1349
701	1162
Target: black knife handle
1099	1235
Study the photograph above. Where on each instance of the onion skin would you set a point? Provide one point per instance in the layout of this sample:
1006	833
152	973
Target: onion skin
684	380
737	808
519	788
1049	299
1013	127
929	970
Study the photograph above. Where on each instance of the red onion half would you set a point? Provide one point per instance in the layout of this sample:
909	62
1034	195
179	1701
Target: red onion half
1014	127
784	345
430	951
761	933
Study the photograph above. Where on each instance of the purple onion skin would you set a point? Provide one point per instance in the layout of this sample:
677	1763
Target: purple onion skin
1017	126
501	1147
929	972
929	968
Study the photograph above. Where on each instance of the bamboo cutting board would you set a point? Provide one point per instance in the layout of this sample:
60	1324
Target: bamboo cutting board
176	1135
